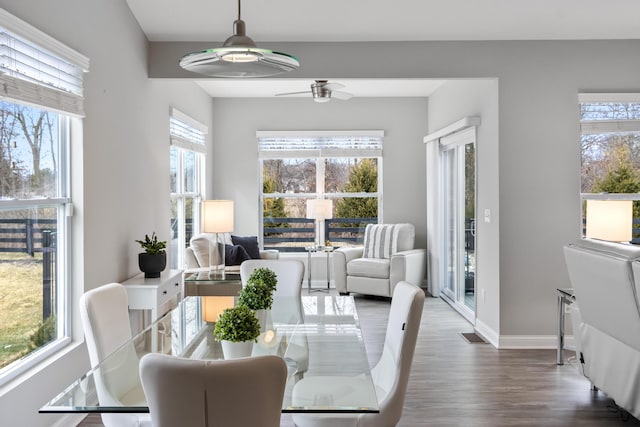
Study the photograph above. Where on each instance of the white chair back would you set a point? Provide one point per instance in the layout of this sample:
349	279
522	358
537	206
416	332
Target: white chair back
390	375
237	392
289	272
105	319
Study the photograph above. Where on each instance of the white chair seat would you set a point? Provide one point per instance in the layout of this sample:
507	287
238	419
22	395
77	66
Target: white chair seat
369	267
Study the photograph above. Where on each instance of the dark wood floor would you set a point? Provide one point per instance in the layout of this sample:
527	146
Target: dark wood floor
454	383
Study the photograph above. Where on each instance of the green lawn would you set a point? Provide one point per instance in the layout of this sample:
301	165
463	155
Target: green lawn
20	303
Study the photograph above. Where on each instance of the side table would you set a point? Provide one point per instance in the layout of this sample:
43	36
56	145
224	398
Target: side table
313	249
565	297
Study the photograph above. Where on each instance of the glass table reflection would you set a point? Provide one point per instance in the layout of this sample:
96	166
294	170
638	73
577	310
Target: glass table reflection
316	335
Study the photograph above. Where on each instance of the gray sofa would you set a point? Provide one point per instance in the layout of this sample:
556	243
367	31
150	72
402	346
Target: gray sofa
197	254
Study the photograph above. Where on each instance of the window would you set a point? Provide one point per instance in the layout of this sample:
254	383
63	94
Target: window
610	149
187	165
344	166
41	97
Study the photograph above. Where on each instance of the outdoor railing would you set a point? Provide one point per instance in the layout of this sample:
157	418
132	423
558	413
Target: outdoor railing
294	234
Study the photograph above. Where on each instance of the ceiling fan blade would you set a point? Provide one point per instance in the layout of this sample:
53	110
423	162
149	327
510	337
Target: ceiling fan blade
333	86
291	93
341	95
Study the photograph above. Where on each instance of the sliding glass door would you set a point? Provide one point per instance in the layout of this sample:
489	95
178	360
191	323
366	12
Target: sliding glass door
458	197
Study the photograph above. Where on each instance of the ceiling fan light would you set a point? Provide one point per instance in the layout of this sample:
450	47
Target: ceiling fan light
241	55
322	99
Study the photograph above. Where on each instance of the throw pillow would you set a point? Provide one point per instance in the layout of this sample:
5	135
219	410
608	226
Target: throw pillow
235	255
249	243
380	240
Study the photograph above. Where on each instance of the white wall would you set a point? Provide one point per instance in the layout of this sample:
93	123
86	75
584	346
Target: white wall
235	149
121	183
451	102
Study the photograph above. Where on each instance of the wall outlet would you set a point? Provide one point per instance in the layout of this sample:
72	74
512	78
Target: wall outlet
487	215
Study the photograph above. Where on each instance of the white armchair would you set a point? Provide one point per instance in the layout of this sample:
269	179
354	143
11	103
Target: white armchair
387	257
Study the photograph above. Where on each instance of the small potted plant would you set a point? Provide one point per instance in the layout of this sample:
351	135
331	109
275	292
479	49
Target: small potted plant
264	276
154	258
237	329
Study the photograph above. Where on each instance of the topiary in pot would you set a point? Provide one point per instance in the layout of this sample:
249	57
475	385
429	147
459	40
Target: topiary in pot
264	276
237	328
237	324
256	296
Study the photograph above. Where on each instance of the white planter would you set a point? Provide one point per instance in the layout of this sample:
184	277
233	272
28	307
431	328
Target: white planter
236	350
263	317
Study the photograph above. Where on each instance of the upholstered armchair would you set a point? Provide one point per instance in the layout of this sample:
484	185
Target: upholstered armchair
237	249
387	257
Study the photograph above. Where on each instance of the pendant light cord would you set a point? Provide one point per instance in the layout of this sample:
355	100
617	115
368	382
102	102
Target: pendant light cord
239	10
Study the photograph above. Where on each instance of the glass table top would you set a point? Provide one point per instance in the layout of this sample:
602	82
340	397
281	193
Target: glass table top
318	336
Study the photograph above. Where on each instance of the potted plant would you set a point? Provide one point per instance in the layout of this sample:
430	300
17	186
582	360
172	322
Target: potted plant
237	329
257	294
154	258
264	276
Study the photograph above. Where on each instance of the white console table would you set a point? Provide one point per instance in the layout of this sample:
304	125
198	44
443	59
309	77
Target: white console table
154	293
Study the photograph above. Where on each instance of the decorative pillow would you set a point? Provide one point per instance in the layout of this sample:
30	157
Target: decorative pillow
235	254
249	243
380	240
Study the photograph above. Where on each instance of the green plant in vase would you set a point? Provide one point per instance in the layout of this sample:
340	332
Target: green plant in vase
264	276
154	258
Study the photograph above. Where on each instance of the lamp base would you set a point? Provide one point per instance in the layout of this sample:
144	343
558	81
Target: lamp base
216	259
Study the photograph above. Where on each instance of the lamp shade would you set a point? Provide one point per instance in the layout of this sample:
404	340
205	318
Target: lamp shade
609	220
319	208
217	216
212	307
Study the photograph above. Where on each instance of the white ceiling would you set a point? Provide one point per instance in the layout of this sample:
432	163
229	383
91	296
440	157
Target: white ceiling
379	20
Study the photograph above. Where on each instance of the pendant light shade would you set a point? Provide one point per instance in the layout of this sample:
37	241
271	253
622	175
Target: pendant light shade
239	57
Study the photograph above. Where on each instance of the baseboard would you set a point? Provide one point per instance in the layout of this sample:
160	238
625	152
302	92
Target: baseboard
487	333
533	342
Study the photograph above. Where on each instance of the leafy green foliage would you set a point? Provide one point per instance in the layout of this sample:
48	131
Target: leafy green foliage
237	324
264	276
363	178
152	245
620	176
256	296
258	293
44	334
273	207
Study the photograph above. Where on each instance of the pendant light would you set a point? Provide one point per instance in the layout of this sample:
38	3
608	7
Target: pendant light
239	57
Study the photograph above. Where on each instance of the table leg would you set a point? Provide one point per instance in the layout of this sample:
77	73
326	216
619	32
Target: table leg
328	274
309	271
560	358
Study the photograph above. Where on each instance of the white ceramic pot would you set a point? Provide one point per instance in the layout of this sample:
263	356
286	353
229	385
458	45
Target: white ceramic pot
262	316
236	350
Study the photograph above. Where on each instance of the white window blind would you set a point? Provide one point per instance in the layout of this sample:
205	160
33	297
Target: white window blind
187	133
366	143
31	73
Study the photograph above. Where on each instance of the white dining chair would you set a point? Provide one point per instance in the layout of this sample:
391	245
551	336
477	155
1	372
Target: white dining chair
390	375
104	313
289	272
206	393
290	275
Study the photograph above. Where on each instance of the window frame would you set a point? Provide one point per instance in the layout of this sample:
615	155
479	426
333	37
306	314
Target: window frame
607	126
193	140
320	155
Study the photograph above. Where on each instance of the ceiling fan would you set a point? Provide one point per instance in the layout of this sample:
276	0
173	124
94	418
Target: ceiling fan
323	91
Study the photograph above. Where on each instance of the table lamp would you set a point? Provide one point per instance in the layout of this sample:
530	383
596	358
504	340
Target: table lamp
217	217
319	209
609	220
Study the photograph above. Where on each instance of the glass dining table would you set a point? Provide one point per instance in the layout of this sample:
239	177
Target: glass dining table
316	335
